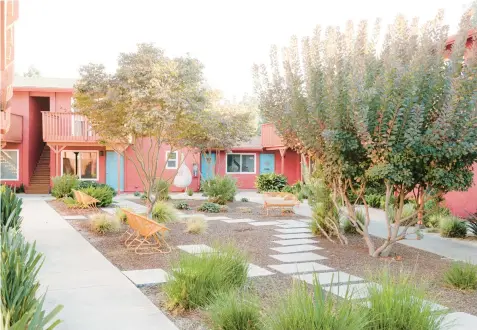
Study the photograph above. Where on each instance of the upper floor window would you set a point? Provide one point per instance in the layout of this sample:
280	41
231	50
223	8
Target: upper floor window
172	159
9	165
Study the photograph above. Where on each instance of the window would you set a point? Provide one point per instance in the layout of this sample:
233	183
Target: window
84	164
171	158
240	163
9	165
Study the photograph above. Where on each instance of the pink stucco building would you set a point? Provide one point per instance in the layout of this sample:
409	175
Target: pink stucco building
47	138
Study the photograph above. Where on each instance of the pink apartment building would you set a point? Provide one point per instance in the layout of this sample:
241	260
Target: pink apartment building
47	138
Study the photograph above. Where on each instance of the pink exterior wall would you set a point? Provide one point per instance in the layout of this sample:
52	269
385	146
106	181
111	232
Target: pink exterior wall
245	180
132	181
292	165
102	161
461	203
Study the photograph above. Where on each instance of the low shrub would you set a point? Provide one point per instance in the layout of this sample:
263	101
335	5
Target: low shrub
196	224
102	223
244	209
244	200
137	194
407	211
288	189
189	192
103	194
163	212
70	202
220	190
196	279
10	208
21	304
451	226
121	215
300	309
472	224
235	310
63	185
161	189
462	276
399	303
348	226
182	206
209	207
373	200
20	189
143	196
433	213
86	184
224	208
270	182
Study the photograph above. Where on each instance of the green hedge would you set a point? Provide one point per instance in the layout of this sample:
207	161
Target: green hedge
270	182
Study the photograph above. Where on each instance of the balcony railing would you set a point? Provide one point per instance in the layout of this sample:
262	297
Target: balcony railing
67	127
270	137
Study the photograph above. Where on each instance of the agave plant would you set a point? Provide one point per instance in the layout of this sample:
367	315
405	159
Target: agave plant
19	285
10	208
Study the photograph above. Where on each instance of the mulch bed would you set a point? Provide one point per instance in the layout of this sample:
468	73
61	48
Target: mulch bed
256	242
63	210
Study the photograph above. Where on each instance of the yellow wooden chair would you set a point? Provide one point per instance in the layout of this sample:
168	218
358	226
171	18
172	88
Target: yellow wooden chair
87	200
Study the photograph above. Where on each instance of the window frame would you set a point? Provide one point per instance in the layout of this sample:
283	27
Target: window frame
18	165
241	154
80	151
167	160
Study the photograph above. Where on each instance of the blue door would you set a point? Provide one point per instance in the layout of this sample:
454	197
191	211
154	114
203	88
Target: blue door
207	165
112	170
267	163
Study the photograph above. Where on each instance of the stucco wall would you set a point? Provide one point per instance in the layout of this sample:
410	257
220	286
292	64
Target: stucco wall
461	203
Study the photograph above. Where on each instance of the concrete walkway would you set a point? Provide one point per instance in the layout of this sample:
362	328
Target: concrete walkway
94	293
445	247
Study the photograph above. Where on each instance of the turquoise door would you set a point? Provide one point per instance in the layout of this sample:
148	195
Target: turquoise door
112	170
207	165
267	163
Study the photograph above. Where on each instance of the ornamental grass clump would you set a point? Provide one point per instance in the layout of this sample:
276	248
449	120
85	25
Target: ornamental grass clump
196	224
235	310
462	276
163	212
102	223
300	309
196	279
399	303
451	226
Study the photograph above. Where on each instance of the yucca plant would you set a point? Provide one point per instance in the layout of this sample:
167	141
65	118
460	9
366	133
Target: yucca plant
10	208
164	212
462	276
19	285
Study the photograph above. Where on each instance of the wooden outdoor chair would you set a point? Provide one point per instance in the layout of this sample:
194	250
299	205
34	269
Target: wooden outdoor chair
147	236
78	200
132	227
279	200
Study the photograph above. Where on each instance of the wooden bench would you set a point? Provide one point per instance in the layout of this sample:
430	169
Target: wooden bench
144	235
279	200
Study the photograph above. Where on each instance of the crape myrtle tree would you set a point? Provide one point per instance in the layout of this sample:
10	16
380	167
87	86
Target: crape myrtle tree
148	103
402	114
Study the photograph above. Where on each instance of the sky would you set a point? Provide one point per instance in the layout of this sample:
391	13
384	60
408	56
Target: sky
227	36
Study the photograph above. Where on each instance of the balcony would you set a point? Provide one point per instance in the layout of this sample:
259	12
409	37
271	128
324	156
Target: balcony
68	128
270	138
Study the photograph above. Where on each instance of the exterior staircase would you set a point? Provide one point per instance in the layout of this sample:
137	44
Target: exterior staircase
40	180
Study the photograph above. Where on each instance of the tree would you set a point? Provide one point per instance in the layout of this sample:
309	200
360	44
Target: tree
146	104
403	115
32	72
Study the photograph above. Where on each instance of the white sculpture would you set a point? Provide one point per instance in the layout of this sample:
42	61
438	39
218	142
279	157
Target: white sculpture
184	177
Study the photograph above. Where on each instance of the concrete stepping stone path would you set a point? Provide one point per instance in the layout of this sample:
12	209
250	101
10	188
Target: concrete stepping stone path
239	221
460	321
265	223
295	236
295	225
75	217
219	217
296	248
302	267
298	257
299	241
329	278
196	248
293	230
144	277
254	271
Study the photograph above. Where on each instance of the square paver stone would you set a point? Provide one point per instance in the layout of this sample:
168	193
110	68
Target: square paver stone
146	276
196	248
300	224
306	220
296	241
461	321
295	236
294	230
110	210
296	248
302	267
265	223
238	221
329	278
254	271
356	291
289	222
298	257
219	217
74	217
